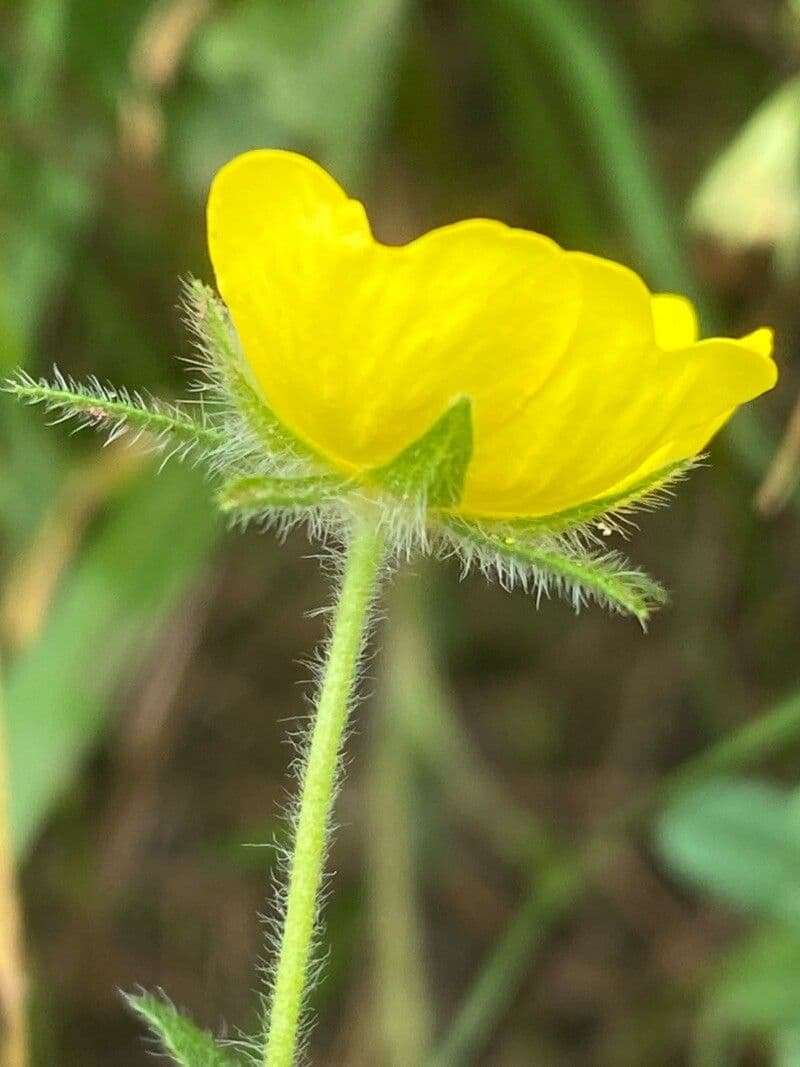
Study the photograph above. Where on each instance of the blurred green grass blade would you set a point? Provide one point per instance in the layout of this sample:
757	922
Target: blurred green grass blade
131	575
48	209
758	983
739	840
42	27
98	49
560	886
45	201
316	76
540	139
31	468
557	889
567	39
787	1047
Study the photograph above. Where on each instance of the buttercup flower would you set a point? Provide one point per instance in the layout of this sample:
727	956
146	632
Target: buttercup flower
569	382
478	391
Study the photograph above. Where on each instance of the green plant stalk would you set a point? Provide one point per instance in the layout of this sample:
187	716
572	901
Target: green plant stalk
575	47
318	788
402	997
535	131
552	895
424	715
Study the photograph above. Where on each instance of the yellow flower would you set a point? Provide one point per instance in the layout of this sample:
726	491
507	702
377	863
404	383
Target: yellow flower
581	382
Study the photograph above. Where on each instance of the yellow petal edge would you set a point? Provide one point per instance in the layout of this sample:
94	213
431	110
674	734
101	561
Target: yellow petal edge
582	382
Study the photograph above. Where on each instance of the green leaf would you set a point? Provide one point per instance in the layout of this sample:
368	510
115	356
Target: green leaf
432	469
549	565
188	1045
134	571
738	839
750	196
255	493
787	1046
758	987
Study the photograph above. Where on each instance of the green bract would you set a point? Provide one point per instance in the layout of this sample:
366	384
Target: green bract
431	471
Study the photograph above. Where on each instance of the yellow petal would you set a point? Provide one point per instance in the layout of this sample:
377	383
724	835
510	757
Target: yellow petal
760	341
619	406
563	430
675	321
727	372
581	381
360	347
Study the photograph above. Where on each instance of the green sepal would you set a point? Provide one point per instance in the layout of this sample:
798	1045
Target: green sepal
114	410
606	577
185	1043
642	495
208	317
255	493
432	469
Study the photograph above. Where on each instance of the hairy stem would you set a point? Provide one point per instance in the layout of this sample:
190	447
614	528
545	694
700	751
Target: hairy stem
364	561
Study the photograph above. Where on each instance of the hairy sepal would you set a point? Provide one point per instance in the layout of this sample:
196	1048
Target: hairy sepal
254	495
552	565
117	412
612	513
185	1043
430	472
228	379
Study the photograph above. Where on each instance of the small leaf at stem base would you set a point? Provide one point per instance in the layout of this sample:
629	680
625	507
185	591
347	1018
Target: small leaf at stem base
185	1043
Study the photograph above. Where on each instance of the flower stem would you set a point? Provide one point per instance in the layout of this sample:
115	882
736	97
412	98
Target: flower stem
318	788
